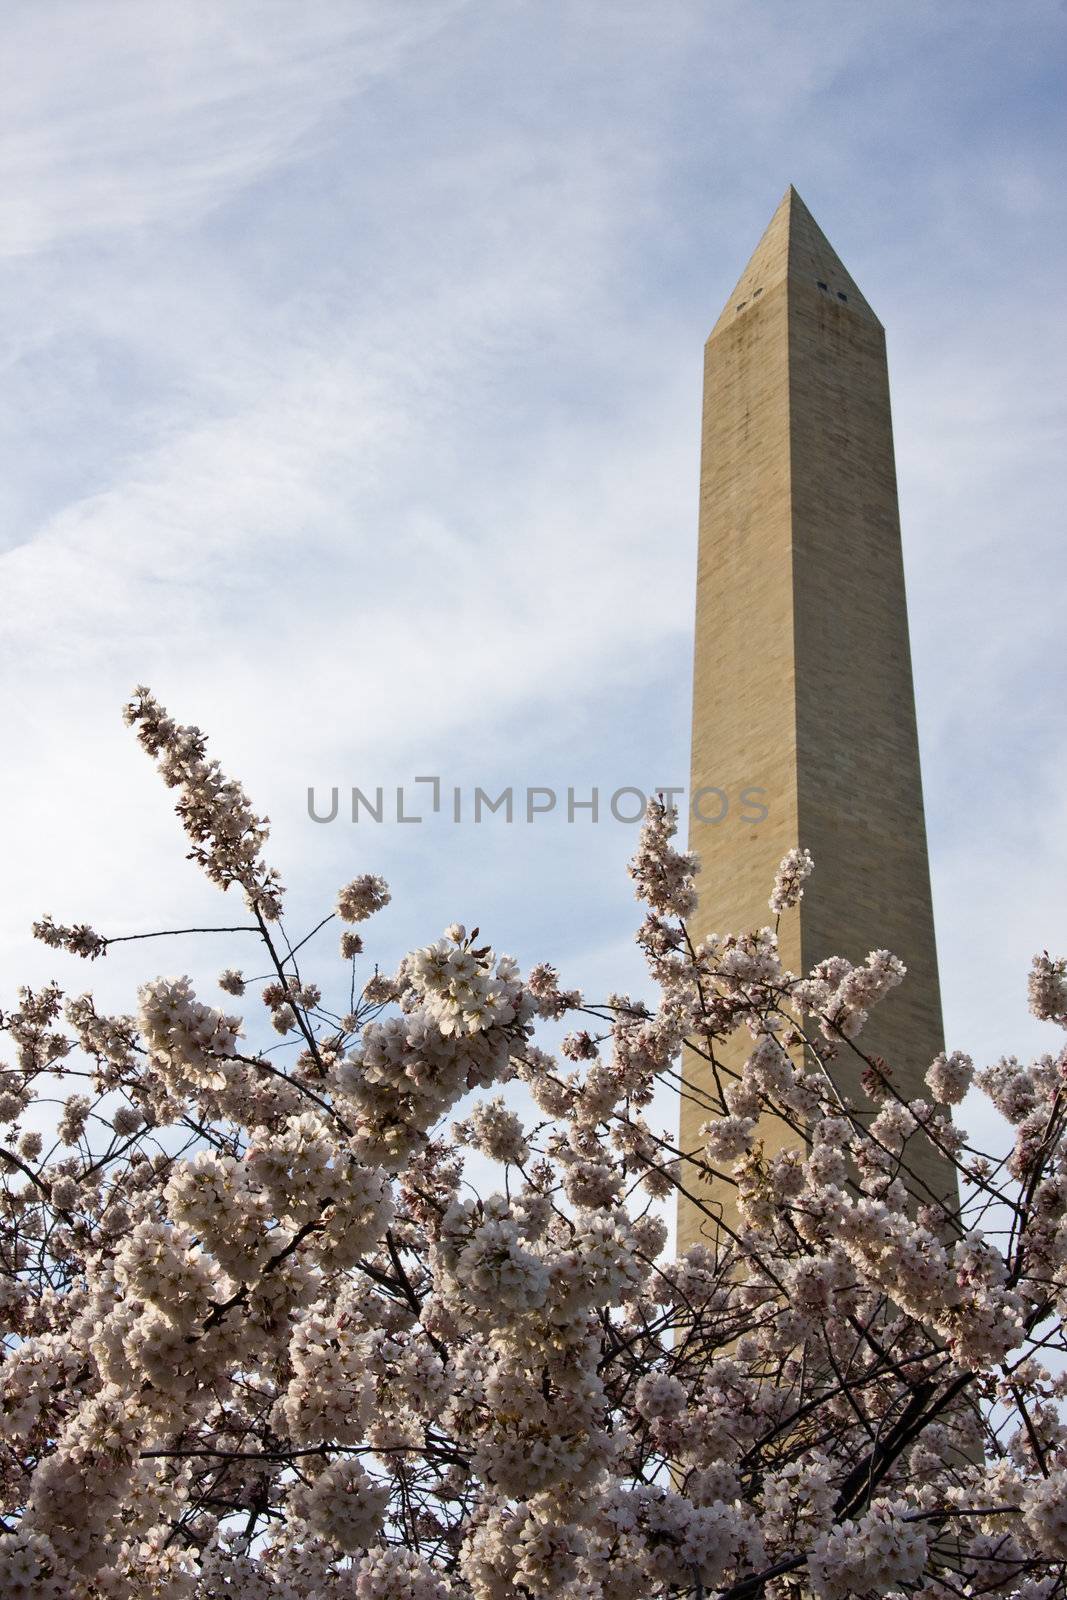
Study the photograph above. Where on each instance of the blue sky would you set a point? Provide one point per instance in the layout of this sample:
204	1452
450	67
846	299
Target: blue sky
352	396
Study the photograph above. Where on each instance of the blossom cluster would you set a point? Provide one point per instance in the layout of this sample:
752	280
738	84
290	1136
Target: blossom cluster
262	1337
796	868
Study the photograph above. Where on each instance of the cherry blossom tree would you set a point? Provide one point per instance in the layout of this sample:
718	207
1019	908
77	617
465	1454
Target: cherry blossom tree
262	1339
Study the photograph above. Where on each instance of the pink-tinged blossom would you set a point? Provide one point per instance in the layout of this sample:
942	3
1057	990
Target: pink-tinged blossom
795	869
659	1395
1048	989
80	940
727	1138
227	836
30	1568
391	1573
663	875
542	984
189	1040
342	1504
362	897
264	1337
879	1552
1045	1515
845	1011
950	1076
496	1132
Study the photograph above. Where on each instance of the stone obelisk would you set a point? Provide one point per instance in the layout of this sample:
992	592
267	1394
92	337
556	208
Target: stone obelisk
802	677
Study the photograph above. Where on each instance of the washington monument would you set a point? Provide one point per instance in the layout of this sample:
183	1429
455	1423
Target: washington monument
802	674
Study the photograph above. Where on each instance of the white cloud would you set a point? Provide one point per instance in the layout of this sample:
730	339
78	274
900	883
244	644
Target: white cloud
128	116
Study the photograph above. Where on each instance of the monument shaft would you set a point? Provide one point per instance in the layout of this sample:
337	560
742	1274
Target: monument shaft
802	674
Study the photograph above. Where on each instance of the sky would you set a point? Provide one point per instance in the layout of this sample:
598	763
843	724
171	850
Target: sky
352	381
